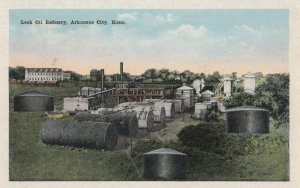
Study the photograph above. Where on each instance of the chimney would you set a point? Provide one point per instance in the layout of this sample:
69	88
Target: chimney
102	79
121	71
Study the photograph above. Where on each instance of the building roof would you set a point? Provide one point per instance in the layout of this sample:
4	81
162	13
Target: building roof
249	75
207	92
44	70
185	88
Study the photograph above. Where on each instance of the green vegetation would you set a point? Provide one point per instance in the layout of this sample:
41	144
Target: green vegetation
30	159
272	94
212	155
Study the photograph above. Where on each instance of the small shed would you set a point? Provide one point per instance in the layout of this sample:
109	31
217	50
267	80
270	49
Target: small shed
206	95
186	94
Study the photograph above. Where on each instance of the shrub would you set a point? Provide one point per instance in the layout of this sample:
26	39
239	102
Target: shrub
213	139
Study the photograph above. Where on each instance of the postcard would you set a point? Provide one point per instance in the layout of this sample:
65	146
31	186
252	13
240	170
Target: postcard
166	95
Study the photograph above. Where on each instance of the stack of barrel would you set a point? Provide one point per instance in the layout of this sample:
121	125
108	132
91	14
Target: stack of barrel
169	105
148	114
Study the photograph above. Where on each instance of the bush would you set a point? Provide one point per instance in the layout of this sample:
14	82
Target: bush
211	138
213	117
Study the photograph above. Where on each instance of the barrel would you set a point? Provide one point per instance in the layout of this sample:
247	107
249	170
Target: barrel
126	123
33	101
249	120
165	164
97	135
143	111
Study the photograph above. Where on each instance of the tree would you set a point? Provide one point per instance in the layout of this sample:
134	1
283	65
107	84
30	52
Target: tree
273	94
189	76
17	73
234	75
150	74
74	75
239	99
95	74
213	79
163	74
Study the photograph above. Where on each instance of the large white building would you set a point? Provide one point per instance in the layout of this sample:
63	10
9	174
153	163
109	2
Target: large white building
44	74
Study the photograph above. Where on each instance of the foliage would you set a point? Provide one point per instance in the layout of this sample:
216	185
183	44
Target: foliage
17	73
213	79
95	74
74	75
213	117
150	74
213	139
272	94
239	99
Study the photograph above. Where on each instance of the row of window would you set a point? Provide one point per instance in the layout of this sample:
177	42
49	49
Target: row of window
53	78
45	73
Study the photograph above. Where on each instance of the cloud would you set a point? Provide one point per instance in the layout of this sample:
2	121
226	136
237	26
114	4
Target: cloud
128	16
185	42
188	31
164	19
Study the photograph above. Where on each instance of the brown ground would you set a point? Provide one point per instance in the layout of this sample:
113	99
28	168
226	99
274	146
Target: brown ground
167	133
173	127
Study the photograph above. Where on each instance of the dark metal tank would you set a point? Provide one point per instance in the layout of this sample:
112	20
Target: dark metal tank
33	101
97	135
165	164
247	119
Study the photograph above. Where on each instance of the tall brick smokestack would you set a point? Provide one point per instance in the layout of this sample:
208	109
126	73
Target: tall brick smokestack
102	79
121	71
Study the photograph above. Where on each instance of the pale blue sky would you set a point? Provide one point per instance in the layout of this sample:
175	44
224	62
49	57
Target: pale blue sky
197	39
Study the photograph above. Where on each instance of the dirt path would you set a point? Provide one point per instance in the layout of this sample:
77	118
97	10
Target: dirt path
173	128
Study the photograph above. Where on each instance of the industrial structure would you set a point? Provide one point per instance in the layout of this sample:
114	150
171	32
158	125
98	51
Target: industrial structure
249	83
44	74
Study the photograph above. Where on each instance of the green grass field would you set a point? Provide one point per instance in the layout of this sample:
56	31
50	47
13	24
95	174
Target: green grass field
30	159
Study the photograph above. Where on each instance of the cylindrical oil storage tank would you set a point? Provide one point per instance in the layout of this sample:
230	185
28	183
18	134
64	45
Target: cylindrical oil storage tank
169	108
33	101
200	111
214	106
126	123
97	135
247	119
165	164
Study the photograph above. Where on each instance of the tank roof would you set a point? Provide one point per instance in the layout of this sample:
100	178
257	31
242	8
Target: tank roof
33	94
164	151
245	108
185	88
